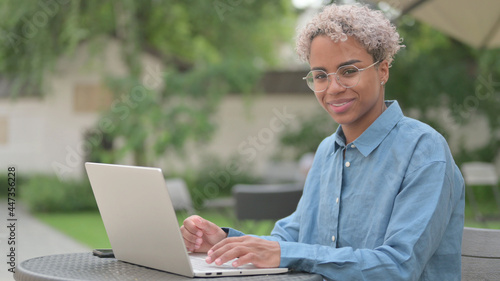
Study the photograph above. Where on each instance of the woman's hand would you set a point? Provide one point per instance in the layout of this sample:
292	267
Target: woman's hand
200	235
247	249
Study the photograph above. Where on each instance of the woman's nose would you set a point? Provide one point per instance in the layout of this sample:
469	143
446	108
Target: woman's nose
334	85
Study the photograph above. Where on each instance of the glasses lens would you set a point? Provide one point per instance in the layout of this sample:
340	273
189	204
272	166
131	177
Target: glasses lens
348	76
317	80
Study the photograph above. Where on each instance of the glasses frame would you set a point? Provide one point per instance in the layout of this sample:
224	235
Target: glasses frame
337	76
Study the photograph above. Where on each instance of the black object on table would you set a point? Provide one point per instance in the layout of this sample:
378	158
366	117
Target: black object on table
85	266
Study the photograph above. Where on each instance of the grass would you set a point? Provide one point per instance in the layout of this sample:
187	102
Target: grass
85	227
489	211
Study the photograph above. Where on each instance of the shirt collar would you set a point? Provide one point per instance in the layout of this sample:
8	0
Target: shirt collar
376	133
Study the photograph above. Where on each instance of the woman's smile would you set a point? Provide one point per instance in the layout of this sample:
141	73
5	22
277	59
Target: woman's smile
341	105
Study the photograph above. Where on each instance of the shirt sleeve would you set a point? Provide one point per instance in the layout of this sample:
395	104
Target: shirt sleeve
420	217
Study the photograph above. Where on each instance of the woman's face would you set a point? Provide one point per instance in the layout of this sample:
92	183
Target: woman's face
354	108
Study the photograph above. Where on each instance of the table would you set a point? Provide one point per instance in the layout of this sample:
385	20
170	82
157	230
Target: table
85	266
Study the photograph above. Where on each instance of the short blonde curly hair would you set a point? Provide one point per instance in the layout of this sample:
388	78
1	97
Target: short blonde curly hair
369	27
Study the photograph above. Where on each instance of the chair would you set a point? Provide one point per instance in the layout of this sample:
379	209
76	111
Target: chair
266	201
480	174
480	254
179	194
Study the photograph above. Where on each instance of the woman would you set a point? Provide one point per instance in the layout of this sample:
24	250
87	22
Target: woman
383	199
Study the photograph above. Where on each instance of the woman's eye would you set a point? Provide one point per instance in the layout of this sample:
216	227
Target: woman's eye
349	71
320	76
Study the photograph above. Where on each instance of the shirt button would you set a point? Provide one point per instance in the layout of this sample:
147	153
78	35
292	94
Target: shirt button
333	238
347	164
353	146
337	200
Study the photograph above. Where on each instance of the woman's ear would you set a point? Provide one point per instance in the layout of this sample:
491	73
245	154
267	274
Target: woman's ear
383	71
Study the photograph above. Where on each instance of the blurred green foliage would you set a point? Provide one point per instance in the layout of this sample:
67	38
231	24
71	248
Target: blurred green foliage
206	49
43	193
447	83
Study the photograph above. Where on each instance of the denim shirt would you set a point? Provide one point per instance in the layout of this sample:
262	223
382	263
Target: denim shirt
391	209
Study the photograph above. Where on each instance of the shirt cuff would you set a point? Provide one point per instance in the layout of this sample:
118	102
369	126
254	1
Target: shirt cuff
232	232
296	256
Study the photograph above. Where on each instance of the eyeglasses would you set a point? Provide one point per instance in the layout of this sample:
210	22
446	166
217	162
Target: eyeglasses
347	76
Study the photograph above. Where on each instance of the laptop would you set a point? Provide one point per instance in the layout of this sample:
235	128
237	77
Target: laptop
141	224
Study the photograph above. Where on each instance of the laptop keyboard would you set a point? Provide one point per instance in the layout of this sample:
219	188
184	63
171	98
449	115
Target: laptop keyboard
198	262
